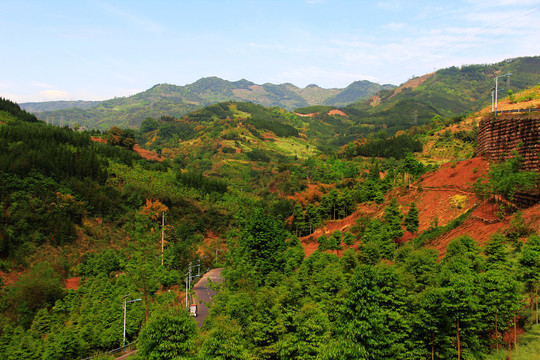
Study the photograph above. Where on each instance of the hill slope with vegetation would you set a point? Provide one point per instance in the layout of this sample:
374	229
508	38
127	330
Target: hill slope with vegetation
177	101
408	244
448	92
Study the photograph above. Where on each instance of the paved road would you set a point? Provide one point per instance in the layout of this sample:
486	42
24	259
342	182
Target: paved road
203	297
203	294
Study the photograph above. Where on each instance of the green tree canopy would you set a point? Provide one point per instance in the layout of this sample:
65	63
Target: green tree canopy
169	334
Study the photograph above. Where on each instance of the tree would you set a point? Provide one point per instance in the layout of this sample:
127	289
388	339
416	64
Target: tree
22	346
260	244
169	334
142	266
431	324
39	288
496	251
377	242
460	302
334	241
224	341
119	137
310	331
312	217
507	178
323	242
500	298
373	317
393	218
349	239
530	265
63	345
411	219
148	124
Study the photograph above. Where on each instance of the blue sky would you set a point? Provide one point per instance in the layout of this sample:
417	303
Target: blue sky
95	50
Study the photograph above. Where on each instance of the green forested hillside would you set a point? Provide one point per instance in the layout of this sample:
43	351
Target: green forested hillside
73	207
448	92
177	101
245	182
357	91
34	107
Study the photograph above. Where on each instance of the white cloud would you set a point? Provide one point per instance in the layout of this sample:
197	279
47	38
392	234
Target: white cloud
137	20
394	26
500	18
492	3
389	5
53	95
40	85
302	76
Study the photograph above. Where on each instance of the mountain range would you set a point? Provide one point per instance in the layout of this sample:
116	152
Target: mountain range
177	101
447	92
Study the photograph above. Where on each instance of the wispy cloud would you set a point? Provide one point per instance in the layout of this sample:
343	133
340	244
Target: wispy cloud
493	3
40	85
280	47
52	95
394	26
137	20
390	5
307	75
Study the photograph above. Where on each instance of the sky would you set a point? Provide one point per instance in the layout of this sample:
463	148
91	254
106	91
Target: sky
99	49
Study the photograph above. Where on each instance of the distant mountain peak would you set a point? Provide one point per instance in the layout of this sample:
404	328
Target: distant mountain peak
173	100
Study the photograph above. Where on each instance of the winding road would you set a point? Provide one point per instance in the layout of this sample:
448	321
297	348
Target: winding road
203	299
203	293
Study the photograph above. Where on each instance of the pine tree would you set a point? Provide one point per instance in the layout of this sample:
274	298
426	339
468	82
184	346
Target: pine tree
411	220
393	218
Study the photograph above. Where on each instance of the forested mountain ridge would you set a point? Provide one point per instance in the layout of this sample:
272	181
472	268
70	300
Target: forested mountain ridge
173	100
448	92
36	107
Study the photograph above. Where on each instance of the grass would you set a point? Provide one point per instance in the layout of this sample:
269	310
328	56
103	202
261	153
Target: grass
528	347
435	232
295	146
526	95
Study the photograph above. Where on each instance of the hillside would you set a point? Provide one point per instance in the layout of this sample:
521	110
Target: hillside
177	101
36	107
447	92
313	245
448	194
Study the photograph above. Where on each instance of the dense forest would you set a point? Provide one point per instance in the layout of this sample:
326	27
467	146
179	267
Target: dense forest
252	184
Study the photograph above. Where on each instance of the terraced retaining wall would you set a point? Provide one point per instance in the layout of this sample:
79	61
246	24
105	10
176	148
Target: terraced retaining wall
498	136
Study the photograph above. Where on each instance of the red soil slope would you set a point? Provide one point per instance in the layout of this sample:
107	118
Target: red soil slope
72	283
440	196
147	154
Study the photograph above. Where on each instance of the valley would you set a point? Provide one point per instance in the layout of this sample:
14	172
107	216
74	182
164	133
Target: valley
371	222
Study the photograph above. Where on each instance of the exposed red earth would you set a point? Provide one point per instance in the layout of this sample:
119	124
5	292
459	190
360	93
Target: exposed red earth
440	196
72	283
147	154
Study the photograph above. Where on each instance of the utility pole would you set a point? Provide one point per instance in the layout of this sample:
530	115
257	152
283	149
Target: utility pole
216	258
189	278
125	310
497	89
